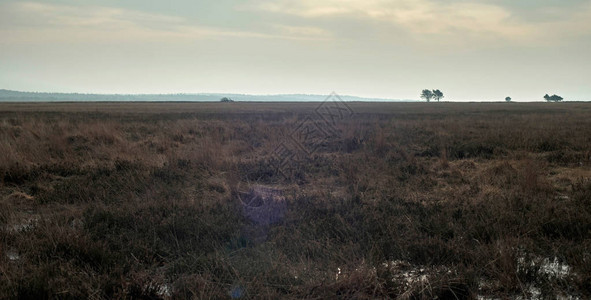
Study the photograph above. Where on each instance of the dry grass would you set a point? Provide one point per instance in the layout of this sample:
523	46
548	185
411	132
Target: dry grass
415	201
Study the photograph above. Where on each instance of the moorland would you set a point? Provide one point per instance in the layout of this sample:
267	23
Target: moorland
295	200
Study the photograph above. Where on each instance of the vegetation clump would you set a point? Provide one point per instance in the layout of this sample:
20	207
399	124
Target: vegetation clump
553	98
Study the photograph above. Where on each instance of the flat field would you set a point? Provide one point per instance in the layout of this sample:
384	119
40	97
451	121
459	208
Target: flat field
295	200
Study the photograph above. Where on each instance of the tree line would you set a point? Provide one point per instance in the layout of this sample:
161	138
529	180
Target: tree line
437	95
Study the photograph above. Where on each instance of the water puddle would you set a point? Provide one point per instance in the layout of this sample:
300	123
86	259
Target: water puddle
550	268
404	272
13	255
22	226
163	290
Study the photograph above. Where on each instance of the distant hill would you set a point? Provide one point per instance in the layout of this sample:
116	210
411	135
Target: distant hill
16	96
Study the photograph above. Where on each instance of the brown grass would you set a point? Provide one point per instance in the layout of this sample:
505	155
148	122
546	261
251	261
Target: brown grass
407	200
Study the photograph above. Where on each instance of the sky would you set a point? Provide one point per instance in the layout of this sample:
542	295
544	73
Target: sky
469	49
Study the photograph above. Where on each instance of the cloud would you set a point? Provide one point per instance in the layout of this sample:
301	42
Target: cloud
37	23
303	31
418	16
450	23
442	20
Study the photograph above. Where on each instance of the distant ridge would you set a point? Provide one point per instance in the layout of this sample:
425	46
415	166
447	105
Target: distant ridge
16	96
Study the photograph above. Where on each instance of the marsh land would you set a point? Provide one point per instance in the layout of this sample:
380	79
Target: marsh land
295	200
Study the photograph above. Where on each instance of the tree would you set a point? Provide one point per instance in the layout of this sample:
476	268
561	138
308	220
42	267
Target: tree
226	99
508	99
437	94
427	95
553	98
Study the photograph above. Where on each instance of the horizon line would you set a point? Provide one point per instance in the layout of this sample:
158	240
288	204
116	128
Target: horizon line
381	99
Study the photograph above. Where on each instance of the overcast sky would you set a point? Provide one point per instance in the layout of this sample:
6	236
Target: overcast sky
470	49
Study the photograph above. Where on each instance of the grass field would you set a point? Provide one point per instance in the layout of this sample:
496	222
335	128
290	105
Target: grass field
274	200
